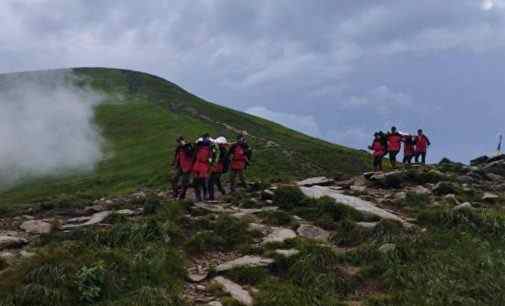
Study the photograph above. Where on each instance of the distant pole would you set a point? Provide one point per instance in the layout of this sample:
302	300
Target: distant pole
500	141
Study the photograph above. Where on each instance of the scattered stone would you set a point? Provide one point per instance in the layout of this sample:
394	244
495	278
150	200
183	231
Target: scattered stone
365	207
26	254
9	242
246	261
358	188
279	234
391	179
367	225
267	194
387	248
94	208
320	181
495	177
400	196
287	253
36	227
235	291
465	205
197	278
125	212
490	197
465	179
497	158
95	219
422	190
8	257
451	198
256	227
313	232
497	167
215	303
443	188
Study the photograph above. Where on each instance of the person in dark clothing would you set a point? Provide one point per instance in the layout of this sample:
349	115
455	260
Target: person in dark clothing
408	148
201	166
183	165
394	145
219	167
240	156
422	144
379	150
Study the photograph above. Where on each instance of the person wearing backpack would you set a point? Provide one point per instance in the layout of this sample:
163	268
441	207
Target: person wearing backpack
422	144
240	156
378	150
201	166
218	167
408	148
394	145
183	165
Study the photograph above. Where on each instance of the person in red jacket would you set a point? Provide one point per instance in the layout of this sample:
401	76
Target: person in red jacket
219	167
379	150
240	156
183	165
201	166
422	144
409	144
394	145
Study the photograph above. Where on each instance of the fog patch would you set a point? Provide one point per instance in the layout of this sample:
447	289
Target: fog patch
46	126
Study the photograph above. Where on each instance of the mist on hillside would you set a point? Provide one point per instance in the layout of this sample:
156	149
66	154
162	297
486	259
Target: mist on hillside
46	126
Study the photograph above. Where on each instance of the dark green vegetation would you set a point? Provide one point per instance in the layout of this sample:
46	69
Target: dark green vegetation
142	116
131	263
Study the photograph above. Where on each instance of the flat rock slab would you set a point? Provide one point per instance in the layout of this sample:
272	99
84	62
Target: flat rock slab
279	234
367	225
95	219
365	207
125	212
9	242
313	181
36	227
245	261
235	291
312	232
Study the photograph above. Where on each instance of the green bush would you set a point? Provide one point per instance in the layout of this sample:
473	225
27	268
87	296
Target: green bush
413	199
90	281
288	197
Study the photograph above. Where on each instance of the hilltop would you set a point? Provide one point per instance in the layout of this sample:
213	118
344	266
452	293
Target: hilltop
139	119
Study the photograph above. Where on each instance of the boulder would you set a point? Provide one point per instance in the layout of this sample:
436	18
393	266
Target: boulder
465	205
358	188
245	261
267	194
320	181
443	188
393	179
280	235
421	190
367	225
36	227
464	179
215	303
495	177
10	242
451	198
496	158
366	208
197	278
235	291
479	160
312	232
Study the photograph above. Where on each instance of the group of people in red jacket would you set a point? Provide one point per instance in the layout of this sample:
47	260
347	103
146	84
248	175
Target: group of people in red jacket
205	162
414	147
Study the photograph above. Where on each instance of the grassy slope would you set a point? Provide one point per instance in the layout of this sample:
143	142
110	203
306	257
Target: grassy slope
141	118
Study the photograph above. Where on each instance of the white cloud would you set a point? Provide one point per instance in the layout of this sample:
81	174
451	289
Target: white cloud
303	123
487	5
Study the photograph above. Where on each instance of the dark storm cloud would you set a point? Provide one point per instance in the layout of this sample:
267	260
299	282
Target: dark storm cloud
335	69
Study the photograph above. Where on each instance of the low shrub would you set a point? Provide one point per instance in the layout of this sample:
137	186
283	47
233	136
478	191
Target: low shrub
288	197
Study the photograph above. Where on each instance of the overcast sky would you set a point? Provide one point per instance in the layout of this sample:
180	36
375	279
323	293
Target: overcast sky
338	70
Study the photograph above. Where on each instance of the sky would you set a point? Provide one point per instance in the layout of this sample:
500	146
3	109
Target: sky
337	70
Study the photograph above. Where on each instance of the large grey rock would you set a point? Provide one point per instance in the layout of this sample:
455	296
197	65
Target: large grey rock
421	190
490	197
280	235
312	232
95	219
245	261
367	225
365	207
10	242
321	181
235	291
36	227
479	160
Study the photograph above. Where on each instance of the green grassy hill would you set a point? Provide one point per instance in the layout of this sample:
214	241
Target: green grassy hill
142	116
